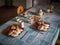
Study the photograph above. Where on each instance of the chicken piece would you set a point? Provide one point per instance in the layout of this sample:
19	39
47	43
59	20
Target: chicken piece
35	25
16	32
41	22
19	29
13	33
34	19
42	28
46	25
13	27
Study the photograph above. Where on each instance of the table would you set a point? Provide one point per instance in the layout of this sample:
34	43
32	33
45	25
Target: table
33	37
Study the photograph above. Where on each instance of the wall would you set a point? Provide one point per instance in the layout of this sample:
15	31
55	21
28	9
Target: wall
42	1
26	3
2	3
36	2
16	3
19	2
29	3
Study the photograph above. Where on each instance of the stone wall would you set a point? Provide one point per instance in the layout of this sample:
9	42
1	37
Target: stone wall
2	3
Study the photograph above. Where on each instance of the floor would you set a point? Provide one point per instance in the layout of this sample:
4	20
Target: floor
7	13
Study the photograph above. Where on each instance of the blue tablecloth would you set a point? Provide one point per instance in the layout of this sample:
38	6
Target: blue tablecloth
32	36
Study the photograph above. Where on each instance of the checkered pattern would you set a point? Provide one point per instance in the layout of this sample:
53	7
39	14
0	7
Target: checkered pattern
33	37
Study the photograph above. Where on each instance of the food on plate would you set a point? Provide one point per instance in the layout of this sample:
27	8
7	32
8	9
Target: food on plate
34	19
13	27
41	25
40	22
40	13
14	30
35	26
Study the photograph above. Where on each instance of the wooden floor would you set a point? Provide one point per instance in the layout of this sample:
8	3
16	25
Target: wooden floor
7	13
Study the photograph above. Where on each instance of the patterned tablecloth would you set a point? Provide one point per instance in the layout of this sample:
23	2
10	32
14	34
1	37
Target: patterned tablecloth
30	36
